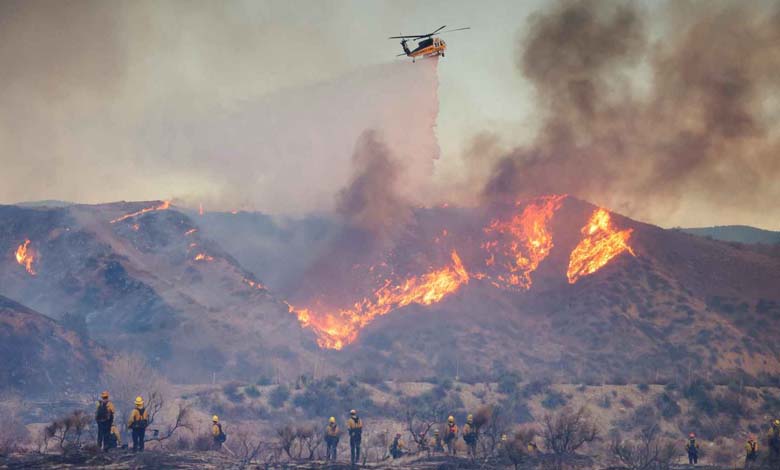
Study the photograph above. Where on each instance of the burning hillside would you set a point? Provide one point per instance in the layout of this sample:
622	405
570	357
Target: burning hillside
512	246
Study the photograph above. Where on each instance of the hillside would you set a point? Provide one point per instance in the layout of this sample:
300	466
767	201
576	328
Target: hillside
466	292
38	354
143	280
682	303
737	233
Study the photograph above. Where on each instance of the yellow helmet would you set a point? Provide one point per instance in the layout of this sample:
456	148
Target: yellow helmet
353	412
470	419
451	419
215	418
503	437
332	420
104	395
139	401
777	422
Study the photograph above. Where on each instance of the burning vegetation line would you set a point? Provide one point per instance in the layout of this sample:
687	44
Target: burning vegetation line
601	242
25	256
165	205
520	243
334	330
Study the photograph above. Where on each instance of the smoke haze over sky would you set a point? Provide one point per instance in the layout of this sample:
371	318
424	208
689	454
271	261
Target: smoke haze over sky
259	105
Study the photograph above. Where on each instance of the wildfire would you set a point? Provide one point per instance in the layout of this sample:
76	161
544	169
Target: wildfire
25	256
190	231
253	284
165	205
521	243
203	257
337	329
600	243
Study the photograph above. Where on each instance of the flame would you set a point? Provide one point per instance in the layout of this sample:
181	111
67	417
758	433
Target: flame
600	243
190	231
165	205
521	243
253	284
25	256
337	329
203	257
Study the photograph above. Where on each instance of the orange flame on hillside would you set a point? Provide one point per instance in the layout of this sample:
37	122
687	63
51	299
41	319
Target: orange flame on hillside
600	243
25	256
165	205
203	257
337	329
529	242
253	284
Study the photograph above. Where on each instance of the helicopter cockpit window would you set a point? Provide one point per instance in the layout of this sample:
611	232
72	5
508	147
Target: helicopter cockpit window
425	43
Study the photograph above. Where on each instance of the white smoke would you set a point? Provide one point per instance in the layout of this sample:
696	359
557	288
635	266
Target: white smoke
291	151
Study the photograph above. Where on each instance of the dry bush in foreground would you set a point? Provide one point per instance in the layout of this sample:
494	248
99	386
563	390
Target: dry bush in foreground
647	452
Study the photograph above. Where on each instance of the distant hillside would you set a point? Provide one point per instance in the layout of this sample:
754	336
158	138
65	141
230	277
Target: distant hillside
38	354
737	233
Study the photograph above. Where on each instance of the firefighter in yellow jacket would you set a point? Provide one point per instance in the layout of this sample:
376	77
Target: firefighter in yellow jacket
451	435
332	436
751	453
104	418
139	420
773	443
470	436
355	428
217	434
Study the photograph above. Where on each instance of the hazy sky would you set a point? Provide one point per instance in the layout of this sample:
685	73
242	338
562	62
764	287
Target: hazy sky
102	101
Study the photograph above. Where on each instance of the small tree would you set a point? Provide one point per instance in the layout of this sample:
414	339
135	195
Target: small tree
247	446
286	439
67	431
420	420
491	422
566	431
647	452
279	396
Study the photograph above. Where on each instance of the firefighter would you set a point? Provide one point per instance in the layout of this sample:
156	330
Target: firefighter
104	417
437	445
139	420
692	447
451	435
113	440
217	434
397	447
332	434
470	436
751	452
355	428
773	441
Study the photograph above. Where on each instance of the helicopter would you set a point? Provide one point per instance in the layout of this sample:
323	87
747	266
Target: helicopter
429	45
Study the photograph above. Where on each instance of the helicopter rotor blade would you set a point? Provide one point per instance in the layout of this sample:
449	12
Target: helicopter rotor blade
408	37
439	29
453	30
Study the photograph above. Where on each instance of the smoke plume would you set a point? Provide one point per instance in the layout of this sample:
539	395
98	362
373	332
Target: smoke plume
684	122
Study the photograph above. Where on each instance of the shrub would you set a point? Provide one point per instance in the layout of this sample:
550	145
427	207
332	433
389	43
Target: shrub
553	400
279	396
232	392
252	391
507	382
644	388
667	405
